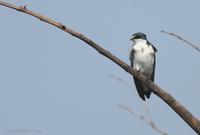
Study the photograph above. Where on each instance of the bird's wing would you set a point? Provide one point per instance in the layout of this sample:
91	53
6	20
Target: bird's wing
140	88
154	64
154	48
131	56
153	73
138	84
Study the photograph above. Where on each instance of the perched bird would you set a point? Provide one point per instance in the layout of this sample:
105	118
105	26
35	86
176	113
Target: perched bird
142	59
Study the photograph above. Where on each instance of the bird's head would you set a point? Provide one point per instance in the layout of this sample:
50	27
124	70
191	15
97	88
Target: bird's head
138	36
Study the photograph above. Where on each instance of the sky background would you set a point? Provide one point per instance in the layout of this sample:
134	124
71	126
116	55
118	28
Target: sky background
52	83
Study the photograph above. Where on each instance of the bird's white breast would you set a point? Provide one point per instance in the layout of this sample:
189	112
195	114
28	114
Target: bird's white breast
143	58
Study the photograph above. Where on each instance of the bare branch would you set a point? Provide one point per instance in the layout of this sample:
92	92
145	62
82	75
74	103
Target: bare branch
149	121
182	39
120	80
143	118
191	120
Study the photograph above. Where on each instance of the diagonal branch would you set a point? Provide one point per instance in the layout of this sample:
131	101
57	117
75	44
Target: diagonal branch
148	121
191	120
143	118
182	39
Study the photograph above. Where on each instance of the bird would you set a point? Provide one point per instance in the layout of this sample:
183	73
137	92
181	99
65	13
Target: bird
143	60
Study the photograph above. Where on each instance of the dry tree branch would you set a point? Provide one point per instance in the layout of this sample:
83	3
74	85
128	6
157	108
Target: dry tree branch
182	39
143	118
148	121
120	80
191	120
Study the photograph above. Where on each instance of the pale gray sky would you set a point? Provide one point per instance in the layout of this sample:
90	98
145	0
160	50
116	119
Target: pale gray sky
52	83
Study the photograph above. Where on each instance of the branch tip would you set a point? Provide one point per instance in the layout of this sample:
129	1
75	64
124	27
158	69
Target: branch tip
182	39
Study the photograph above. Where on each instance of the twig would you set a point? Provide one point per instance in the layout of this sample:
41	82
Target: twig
182	39
191	120
143	118
150	122
120	80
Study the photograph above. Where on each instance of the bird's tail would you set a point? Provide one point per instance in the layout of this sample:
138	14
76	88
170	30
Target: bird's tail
142	89
147	91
